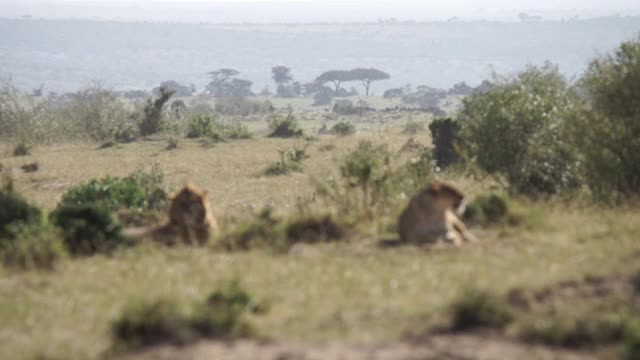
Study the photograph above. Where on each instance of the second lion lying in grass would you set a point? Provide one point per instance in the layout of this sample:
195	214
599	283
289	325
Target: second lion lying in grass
430	216
190	220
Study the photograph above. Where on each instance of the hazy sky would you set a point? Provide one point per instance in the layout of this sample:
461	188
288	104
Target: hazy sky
312	10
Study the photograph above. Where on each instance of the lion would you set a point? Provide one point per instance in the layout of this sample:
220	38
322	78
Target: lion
190	219
430	216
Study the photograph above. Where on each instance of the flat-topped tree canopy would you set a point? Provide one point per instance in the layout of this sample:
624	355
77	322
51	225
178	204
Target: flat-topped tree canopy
336	77
367	76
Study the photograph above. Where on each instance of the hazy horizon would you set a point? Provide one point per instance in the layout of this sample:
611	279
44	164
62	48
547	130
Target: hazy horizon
311	11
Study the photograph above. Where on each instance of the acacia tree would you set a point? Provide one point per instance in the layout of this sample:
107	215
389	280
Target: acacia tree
281	75
367	76
337	77
224	83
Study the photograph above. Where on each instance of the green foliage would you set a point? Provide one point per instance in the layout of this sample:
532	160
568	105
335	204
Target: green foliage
413	127
290	161
365	183
204	126
513	131
139	190
221	316
476	308
22	149
419	169
14	209
444	133
343	128
604	124
32	246
214	129
486	209
26	119
87	229
151	122
97	114
110	192
284	127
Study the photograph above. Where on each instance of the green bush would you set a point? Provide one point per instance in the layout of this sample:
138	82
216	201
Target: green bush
284	127
476	308
237	130
444	133
151	118
212	128
513	131
364	184
486	208
22	149
110	192
32	246
26	119
290	161
97	114
139	190
604	123
343	128
87	229
14	209
221	316
204	126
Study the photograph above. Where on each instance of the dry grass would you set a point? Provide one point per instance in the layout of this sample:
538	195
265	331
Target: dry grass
356	291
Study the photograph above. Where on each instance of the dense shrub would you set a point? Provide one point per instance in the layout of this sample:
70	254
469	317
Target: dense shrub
204	126
87	229
604	125
513	131
110	192
34	245
221	316
97	114
343	128
486	208
26	119
14	209
139	190
151	121
22	149
444	133
284	127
